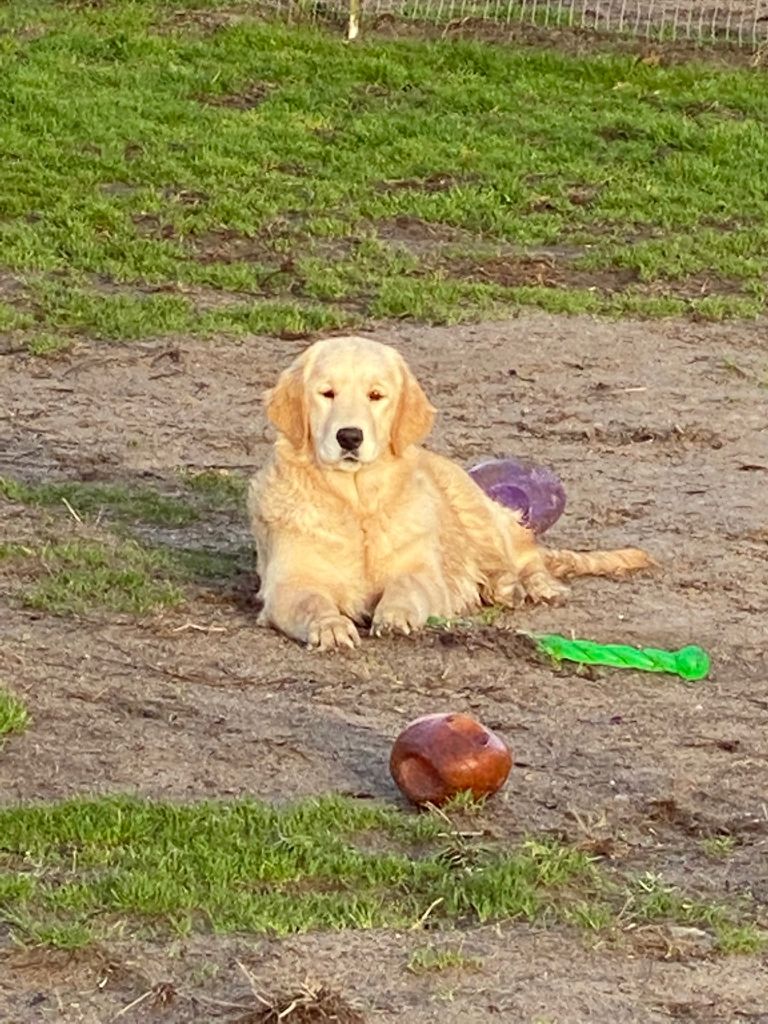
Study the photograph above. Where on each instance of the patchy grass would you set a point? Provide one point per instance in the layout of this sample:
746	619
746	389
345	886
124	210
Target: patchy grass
72	872
485	617
112	574
760	379
219	487
263	178
47	345
718	847
432	959
13	714
11	549
203	566
85	568
116	501
101	572
80	576
651	899
207	491
741	938
591	914
251	867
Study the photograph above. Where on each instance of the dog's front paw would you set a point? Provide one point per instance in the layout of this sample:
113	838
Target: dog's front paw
506	590
511	591
541	588
395	618
331	632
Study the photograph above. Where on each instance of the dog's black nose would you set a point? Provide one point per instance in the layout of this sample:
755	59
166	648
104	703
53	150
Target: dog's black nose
349	438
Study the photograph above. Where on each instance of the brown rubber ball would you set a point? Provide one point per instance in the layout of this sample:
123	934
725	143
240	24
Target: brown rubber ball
438	756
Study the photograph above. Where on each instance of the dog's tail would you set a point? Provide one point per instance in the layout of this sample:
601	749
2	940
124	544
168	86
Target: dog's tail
565	564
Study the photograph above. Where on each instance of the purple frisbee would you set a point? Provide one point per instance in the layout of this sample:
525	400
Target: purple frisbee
534	491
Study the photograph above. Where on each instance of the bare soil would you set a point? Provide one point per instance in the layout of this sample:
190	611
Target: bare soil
659	432
735	41
729	32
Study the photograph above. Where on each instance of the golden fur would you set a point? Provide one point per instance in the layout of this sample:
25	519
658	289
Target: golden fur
388	533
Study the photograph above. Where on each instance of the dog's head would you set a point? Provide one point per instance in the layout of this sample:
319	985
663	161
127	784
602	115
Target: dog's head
349	400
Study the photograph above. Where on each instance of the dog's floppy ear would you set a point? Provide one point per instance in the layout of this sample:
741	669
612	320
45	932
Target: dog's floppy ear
414	417
286	405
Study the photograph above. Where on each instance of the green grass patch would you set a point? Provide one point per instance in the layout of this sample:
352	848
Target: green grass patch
12	318
119	569
718	847
594	915
108	573
218	487
485	617
80	576
127	317
266	178
255	868
117	501
649	899
47	345
433	959
11	549
204	492
73	871
741	938
13	716
203	566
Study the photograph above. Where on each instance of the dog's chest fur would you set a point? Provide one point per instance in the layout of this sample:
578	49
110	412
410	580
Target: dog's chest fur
364	525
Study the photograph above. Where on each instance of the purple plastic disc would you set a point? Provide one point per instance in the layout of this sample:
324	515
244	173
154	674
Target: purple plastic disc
534	491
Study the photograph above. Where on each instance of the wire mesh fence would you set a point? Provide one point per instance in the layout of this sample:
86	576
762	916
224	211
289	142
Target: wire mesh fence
740	22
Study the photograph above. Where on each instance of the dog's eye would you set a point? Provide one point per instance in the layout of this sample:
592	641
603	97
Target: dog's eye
330	393
375	396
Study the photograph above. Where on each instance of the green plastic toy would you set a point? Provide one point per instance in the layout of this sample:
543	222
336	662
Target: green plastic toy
689	662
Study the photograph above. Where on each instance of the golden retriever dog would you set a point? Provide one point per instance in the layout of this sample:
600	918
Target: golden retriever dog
356	524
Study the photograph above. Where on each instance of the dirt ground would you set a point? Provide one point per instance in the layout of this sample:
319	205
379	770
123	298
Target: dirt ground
659	432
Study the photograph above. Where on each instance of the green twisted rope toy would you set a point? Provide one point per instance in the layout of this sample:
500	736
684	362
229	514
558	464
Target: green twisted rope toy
689	662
